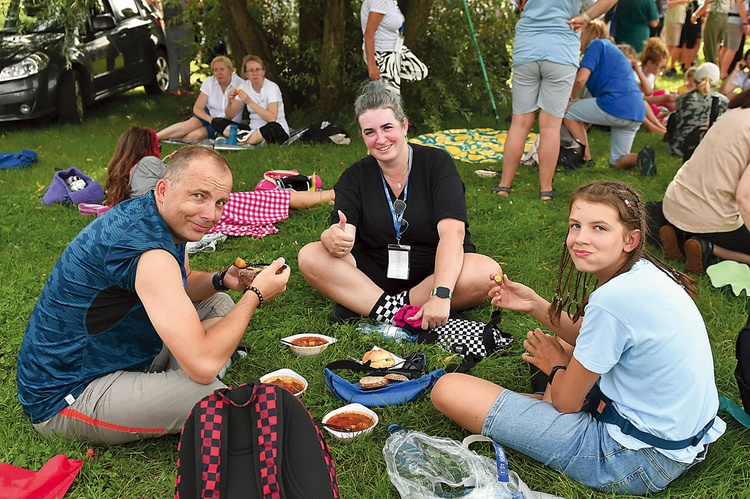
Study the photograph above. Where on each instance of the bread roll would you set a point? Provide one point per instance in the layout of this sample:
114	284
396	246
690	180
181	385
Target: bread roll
372	382
379	359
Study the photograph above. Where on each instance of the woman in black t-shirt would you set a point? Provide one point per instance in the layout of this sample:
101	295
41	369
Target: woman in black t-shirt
398	231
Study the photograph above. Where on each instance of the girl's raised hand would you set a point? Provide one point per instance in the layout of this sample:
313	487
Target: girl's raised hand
511	295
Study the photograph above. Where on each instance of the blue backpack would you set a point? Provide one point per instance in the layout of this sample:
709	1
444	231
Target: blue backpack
12	160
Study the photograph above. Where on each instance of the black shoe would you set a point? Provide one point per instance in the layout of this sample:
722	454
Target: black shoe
647	161
342	315
670	73
698	252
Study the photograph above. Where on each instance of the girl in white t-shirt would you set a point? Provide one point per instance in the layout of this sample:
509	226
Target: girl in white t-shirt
210	103
636	344
264	103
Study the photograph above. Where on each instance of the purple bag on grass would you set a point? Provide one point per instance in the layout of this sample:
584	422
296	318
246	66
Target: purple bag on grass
72	186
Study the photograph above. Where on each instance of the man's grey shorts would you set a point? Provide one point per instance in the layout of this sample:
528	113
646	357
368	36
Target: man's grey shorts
542	85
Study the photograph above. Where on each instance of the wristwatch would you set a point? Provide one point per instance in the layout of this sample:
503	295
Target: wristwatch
442	292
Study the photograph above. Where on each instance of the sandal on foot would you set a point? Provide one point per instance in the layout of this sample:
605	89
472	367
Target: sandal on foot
546	194
501	188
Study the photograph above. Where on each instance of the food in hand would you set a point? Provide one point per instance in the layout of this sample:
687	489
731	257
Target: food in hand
498	278
372	382
379	359
240	263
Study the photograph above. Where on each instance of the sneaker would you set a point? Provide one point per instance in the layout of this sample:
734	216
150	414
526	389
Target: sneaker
647	161
669	243
671	72
243	135
342	315
698	251
240	353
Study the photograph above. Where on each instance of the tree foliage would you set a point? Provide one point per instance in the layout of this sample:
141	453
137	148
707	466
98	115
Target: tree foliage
313	50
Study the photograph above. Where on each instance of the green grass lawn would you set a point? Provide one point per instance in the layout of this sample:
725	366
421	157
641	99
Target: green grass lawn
520	232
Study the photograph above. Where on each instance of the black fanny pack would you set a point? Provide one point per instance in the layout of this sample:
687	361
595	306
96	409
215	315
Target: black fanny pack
600	406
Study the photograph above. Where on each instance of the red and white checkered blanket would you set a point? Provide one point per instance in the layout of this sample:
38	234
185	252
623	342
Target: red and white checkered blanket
253	213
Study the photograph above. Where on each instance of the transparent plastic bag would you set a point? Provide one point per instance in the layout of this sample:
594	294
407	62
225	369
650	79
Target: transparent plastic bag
421	466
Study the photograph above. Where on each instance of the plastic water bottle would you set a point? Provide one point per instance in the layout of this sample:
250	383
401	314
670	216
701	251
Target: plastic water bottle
387	331
232	139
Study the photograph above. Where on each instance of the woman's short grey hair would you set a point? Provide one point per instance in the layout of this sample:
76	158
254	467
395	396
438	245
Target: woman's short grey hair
379	95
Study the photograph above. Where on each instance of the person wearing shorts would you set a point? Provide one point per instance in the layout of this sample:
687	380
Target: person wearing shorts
673	23
545	60
616	100
264	103
211	103
93	364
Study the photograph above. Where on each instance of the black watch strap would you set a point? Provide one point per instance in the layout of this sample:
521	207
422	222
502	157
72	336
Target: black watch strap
218	280
554	371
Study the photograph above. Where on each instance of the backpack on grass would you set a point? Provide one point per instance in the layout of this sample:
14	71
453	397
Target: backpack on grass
253	441
11	160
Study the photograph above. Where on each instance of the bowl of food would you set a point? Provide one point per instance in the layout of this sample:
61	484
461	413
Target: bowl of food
286	378
306	344
350	421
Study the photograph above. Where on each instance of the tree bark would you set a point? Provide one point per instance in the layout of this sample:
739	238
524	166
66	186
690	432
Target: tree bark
246	37
331	64
417	14
310	22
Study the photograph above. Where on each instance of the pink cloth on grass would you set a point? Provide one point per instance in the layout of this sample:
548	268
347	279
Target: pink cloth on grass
253	213
407	311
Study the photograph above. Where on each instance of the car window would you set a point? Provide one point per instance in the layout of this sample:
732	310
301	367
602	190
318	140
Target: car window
124	9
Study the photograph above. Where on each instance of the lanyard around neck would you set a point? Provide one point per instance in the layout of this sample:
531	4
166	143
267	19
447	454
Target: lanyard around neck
397	218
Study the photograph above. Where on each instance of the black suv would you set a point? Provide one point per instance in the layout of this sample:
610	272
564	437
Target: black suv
121	46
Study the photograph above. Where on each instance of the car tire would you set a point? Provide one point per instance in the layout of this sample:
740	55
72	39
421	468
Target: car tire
72	106
160	78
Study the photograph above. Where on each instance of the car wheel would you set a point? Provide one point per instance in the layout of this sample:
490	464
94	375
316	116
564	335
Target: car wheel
71	107
160	79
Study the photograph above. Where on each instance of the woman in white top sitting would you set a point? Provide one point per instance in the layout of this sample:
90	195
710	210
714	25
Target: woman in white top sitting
738	78
264	104
211	103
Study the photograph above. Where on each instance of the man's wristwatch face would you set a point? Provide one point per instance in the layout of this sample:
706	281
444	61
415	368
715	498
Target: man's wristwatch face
442	292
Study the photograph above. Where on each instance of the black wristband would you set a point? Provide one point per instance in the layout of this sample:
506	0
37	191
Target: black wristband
257	293
553	372
218	280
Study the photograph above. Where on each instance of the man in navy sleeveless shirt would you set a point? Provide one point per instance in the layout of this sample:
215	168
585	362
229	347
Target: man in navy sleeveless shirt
121	293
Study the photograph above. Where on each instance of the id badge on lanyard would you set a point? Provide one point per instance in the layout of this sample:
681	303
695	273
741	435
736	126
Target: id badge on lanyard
398	254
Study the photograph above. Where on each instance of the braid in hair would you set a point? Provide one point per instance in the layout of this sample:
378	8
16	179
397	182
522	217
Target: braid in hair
632	212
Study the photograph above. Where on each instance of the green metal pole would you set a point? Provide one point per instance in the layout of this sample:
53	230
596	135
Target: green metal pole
481	61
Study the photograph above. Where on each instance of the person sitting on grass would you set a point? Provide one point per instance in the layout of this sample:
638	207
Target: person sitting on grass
739	78
211	103
398	229
121	293
693	109
689	82
707	204
654	58
136	167
264	103
636	346
650	123
617	101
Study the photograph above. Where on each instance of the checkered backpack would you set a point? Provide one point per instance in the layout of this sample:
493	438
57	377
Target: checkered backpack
253	441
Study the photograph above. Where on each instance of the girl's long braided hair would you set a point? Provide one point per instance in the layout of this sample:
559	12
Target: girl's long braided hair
574	287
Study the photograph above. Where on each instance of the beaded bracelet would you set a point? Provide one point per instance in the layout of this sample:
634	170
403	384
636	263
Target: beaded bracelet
258	294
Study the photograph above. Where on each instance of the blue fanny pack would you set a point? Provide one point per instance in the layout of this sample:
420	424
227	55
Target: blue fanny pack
600	406
390	394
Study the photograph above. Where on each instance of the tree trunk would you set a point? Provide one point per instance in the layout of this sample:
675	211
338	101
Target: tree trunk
310	22
246	37
331	64
417	13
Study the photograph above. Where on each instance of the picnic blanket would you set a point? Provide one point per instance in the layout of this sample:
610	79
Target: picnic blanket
471	145
253	213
